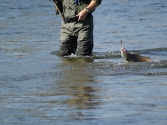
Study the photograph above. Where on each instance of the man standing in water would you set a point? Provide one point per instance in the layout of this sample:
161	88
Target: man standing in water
76	35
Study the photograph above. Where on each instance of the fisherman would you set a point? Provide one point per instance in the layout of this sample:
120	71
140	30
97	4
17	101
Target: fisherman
76	35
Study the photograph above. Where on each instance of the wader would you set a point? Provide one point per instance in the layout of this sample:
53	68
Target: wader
76	36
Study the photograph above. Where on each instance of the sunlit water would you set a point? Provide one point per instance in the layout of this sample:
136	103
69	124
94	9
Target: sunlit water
37	86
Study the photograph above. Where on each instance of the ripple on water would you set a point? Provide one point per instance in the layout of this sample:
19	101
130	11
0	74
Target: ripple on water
37	87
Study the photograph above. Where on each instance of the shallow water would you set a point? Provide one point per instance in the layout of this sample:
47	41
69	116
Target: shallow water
37	86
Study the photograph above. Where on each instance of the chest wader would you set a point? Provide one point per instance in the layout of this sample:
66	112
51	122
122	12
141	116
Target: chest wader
76	36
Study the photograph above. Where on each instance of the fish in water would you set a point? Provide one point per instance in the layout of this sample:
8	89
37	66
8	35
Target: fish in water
133	57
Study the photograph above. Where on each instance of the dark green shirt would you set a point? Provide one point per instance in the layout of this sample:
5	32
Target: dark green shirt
82	4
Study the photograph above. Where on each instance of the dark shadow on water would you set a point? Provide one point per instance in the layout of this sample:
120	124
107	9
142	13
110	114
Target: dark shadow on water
78	83
77	60
76	89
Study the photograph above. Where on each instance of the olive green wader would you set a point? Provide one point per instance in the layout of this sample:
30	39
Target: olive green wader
76	36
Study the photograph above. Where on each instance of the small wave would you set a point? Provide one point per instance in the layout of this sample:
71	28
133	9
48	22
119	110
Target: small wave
27	77
153	64
154	51
153	74
95	55
143	68
116	54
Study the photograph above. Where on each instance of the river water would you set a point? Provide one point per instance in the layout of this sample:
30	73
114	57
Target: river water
39	87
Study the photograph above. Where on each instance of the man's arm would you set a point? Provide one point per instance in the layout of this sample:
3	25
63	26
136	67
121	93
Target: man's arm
92	6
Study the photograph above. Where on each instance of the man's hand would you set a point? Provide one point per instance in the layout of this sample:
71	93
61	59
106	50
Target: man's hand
82	15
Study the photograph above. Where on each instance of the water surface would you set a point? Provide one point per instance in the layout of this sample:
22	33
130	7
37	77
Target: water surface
37	86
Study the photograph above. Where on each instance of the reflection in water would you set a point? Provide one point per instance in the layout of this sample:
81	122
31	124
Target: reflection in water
39	88
79	84
77	87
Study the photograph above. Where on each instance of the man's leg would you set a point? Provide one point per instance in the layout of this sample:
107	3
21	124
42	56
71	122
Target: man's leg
68	43
85	38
